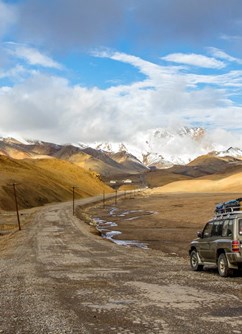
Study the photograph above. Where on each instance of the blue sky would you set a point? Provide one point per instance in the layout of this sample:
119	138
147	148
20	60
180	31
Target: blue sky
102	70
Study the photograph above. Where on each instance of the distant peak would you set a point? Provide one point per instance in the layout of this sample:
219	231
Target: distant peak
11	140
234	152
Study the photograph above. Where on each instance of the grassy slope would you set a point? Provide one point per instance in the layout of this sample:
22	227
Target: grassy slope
204	168
162	177
43	181
213	183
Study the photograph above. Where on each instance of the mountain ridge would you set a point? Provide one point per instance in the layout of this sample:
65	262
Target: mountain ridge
160	148
47	171
164	147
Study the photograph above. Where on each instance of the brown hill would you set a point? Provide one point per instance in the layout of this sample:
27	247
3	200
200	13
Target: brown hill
130	162
98	161
214	164
202	166
210	184
86	157
36	149
105	164
160	177
43	181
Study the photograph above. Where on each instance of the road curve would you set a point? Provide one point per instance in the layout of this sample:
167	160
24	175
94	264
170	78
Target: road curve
58	277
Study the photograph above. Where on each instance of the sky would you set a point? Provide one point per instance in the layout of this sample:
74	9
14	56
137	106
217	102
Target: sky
104	70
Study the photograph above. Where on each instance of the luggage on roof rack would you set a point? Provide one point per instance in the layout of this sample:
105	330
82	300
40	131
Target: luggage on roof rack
230	206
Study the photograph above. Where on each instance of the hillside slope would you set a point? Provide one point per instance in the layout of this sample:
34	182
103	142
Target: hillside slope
203	166
210	184
129	161
91	159
43	181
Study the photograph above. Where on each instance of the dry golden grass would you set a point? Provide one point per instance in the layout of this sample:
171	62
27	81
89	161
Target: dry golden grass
44	180
88	162
209	184
163	177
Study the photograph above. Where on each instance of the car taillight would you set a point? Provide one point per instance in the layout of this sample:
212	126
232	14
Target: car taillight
235	246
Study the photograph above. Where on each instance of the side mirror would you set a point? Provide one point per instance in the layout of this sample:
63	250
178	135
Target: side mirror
199	234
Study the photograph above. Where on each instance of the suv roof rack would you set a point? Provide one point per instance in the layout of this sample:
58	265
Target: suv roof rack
232	211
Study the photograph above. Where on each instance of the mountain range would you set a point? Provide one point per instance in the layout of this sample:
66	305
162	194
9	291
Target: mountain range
167	147
158	148
48	171
161	147
104	163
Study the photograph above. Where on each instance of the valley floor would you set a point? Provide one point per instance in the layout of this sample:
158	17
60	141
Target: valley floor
57	276
165	221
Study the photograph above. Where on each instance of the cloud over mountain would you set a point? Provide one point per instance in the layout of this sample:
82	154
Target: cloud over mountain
50	108
103	70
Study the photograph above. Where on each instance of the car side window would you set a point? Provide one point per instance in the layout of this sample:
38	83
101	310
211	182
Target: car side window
227	228
207	230
240	226
217	229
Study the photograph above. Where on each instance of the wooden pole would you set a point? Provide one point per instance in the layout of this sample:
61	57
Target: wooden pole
16	205
73	201
104	199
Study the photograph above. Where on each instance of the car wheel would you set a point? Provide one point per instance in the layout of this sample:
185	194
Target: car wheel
194	261
223	267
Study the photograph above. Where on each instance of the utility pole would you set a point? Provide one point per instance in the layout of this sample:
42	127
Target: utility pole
73	200
16	204
103	199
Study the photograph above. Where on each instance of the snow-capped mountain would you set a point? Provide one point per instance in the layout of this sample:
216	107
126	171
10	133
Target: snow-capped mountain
159	147
110	147
234	152
163	147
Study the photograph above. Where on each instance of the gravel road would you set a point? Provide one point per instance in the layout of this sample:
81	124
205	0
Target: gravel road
58	277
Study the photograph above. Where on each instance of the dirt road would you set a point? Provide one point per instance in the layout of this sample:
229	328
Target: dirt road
58	277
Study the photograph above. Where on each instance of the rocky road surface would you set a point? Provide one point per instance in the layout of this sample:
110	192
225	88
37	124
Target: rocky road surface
58	277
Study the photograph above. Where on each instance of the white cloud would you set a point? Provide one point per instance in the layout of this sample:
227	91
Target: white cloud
167	76
31	55
50	108
223	55
194	60
145	67
15	73
224	138
156	75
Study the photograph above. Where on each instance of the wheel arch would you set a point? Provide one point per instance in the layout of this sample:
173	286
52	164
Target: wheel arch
193	248
220	251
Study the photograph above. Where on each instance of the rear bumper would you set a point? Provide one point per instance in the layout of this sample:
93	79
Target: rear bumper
234	259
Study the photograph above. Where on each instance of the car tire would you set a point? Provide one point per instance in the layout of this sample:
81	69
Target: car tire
194	261
223	267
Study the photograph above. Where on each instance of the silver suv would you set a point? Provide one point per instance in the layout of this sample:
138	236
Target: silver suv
220	243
